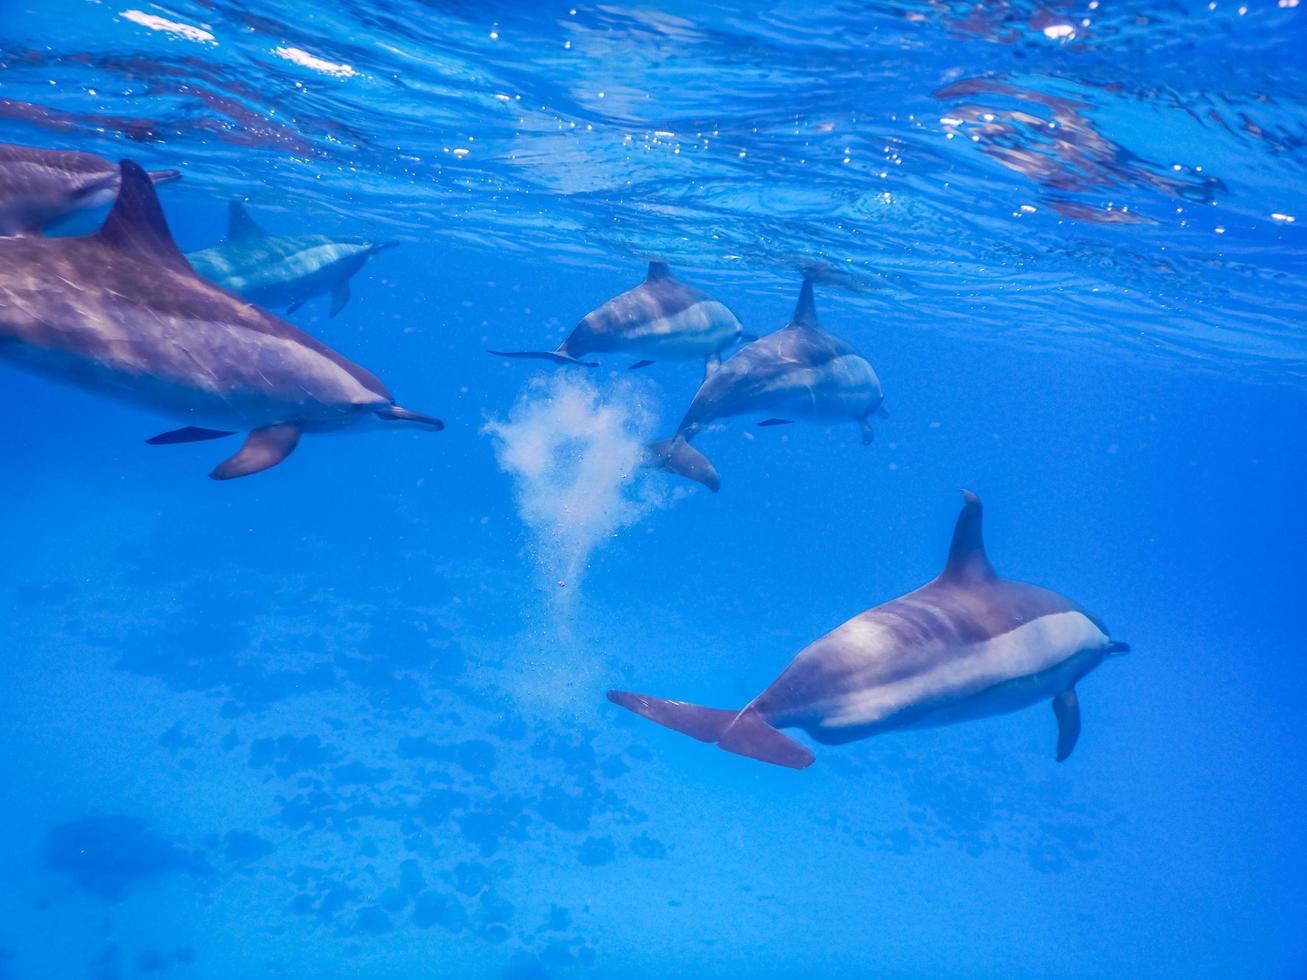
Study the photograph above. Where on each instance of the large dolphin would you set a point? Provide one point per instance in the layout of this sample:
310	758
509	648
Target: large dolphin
121	313
966	645
38	187
798	372
282	271
660	319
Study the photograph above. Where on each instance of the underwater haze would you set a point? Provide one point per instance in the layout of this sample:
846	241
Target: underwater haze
348	717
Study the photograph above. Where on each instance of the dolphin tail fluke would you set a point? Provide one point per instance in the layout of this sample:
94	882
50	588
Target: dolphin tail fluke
676	455
544	355
396	414
751	736
264	448
705	724
165	176
741	732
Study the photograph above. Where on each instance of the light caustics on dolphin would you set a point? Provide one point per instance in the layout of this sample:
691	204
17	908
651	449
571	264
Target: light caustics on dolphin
282	271
121	313
968	644
800	372
660	319
39	187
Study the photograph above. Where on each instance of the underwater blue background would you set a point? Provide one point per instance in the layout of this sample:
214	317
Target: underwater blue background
341	719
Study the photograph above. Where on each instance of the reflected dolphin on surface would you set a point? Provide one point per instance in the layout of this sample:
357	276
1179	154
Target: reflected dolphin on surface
800	372
38	187
121	313
966	645
282	271
660	319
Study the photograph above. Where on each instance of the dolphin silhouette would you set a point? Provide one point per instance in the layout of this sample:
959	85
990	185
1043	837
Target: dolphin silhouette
798	372
120	312
282	271
38	187
966	645
662	318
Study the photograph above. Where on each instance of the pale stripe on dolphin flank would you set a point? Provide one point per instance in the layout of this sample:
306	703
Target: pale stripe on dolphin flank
1031	649
682	330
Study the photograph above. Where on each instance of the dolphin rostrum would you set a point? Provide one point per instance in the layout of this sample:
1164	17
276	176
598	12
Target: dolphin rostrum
282	271
662	318
121	313
798	372
966	645
38	187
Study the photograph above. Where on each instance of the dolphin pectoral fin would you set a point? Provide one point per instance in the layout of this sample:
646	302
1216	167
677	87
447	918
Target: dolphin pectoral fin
544	355
188	433
339	296
751	736
264	448
294	306
748	338
710	364
639	364
676	455
767	423
868	434
1067	709
881	412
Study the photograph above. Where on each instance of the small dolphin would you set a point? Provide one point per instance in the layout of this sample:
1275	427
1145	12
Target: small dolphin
798	372
967	645
661	318
121	313
282	271
38	187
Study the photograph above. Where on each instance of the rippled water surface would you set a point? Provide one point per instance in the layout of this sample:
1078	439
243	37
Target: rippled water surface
346	718
1118	173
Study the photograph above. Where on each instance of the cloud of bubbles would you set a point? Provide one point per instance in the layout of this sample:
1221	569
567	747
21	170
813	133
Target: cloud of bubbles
574	451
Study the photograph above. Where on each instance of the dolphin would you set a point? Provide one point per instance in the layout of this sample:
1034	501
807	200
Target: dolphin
282	271
662	318
798	372
38	187
968	644
120	312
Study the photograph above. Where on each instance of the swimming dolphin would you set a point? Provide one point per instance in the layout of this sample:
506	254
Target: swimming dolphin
282	270
38	187
121	313
798	372
661	318
967	645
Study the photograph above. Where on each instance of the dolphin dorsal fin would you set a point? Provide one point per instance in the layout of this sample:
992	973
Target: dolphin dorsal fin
805	311
658	270
136	223
967	561
240	225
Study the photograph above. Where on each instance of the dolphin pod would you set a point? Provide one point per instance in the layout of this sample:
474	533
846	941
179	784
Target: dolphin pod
968	644
798	372
121	312
662	318
282	271
38	187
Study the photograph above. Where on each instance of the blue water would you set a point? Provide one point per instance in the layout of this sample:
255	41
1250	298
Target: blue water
346	718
